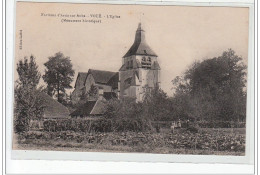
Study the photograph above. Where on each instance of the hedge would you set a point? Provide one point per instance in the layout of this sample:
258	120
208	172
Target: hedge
99	125
123	125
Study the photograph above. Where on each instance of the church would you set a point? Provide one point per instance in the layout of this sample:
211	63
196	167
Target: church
140	71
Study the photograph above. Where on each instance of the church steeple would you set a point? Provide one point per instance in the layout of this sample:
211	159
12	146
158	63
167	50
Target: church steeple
140	46
139	35
139	26
140	69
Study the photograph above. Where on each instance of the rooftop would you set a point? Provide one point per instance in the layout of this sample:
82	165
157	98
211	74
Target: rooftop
140	47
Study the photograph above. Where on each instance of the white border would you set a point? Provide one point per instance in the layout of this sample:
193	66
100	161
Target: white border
40	165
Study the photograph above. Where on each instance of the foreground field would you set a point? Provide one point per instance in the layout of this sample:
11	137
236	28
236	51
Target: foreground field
207	141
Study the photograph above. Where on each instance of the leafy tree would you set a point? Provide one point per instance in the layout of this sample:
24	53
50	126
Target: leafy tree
83	98
215	88
113	106
156	104
28	72
127	115
58	75
180	107
93	92
28	104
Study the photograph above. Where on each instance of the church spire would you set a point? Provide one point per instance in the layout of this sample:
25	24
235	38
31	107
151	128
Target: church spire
140	46
139	26
140	35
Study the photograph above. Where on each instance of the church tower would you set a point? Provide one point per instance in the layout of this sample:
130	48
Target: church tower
140	69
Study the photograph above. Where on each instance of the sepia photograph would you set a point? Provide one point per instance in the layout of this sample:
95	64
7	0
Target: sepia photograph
158	79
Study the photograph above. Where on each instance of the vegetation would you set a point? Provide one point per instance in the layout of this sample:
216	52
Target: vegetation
58	76
28	72
127	115
92	94
210	94
28	105
156	105
206	141
213	89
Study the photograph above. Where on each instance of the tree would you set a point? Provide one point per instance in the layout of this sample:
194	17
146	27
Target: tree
92	94
215	87
28	72
58	75
127	115
156	104
28	104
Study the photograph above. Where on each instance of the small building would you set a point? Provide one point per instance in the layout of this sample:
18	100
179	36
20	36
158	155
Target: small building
53	109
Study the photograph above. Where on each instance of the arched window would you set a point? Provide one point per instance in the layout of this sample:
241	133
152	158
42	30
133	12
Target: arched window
149	59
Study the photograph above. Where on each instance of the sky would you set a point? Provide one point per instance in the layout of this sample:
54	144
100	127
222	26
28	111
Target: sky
179	35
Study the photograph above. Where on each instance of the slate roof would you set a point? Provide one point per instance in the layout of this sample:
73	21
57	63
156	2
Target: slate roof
53	109
84	109
90	108
81	77
114	81
99	108
101	76
140	46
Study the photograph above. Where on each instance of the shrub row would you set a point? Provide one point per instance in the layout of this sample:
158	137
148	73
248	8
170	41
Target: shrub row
99	125
77	125
123	125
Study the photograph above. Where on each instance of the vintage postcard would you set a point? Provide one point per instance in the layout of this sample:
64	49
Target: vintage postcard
116	78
